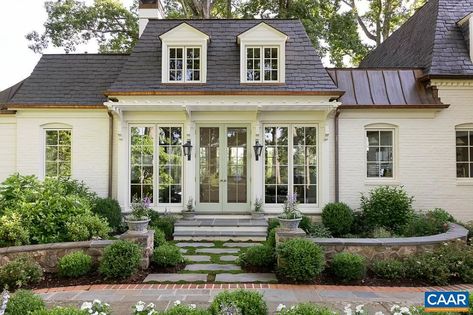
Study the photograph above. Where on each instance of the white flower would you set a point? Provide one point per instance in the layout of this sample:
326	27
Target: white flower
151	305
193	306
394	307
404	310
139	307
347	310
280	307
379	313
359	308
176	303
86	306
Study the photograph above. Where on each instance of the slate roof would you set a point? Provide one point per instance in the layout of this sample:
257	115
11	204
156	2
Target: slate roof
383	88
70	79
8	93
304	70
430	39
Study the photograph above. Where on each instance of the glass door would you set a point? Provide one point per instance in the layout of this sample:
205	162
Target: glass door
223	168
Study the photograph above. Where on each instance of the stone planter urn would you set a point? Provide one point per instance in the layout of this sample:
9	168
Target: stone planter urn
188	215
137	226
290	224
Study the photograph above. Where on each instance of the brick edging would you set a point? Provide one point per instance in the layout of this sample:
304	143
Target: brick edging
218	286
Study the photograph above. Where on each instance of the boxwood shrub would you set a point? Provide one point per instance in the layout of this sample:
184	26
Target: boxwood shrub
185	310
259	257
391	269
20	272
338	218
109	209
61	311
246	302
300	260
120	260
163	222
74	265
348	267
24	302
159	237
168	255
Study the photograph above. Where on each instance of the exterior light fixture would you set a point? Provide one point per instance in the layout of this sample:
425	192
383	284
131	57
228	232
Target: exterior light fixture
187	147
258	147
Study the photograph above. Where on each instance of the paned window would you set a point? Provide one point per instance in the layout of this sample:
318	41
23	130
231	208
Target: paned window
184	64
158	177
58	153
290	163
262	60
464	147
380	153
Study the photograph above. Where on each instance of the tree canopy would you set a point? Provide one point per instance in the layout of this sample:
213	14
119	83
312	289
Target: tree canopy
338	29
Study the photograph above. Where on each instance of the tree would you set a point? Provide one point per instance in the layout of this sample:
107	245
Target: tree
71	23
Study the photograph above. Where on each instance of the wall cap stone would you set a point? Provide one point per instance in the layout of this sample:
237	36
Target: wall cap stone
454	232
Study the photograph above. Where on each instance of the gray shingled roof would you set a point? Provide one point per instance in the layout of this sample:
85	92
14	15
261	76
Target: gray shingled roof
431	40
70	80
8	93
304	70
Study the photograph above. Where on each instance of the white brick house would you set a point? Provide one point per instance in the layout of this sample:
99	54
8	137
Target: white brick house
119	122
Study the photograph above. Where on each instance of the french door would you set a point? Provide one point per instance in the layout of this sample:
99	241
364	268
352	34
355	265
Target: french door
222	168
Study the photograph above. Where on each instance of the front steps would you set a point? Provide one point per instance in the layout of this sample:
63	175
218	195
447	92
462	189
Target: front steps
221	228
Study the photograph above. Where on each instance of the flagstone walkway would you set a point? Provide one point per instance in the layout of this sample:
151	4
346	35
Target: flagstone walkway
123	297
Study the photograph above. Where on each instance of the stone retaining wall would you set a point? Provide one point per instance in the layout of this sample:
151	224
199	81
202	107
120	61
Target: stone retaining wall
48	255
382	248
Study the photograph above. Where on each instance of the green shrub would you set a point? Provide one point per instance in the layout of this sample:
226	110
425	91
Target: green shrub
338	218
159	238
109	209
391	269
248	303
271	239
61	311
163	222
458	257
45	207
306	309
348	267
300	260
261	257
168	255
13	231
305	223
185	310
120	260
380	232
87	226
314	229
427	267
388	207
360	227
24	302
273	223
19	272
427	223
74	265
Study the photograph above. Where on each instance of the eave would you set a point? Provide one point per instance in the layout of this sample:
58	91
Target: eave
336	93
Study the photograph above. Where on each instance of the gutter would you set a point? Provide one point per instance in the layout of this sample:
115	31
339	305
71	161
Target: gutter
110	153
337	164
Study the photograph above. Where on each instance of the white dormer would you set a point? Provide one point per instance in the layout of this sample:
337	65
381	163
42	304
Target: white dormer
262	55
184	55
466	25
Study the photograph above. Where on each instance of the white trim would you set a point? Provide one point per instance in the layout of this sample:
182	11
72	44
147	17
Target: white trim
54	127
369	181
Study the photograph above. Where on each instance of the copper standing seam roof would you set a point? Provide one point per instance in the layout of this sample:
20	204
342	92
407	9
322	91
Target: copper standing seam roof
383	88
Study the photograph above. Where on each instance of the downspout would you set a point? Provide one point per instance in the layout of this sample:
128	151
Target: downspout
337	165
110	153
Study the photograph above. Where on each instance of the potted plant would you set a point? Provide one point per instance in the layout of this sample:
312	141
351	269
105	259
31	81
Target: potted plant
139	219
291	216
189	213
258	211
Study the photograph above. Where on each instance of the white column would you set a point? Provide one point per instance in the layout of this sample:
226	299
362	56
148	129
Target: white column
122	163
256	184
189	184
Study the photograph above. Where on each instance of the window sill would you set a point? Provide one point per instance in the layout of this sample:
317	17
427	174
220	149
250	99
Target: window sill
183	83
263	83
381	182
465	182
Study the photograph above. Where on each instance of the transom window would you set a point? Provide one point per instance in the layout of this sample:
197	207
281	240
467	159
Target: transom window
380	152
58	153
464	147
290	163
184	64
262	64
156	176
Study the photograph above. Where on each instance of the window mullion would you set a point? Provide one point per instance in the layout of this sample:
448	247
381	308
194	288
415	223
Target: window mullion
155	165
290	160
261	64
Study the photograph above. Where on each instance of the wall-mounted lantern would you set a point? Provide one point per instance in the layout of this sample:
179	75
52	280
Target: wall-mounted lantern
187	147
258	147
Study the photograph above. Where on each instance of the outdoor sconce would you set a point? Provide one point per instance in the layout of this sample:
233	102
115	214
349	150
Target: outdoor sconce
187	147
258	149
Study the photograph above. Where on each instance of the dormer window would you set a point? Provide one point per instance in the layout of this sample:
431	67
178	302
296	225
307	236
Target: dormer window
184	55
185	64
262	64
262	51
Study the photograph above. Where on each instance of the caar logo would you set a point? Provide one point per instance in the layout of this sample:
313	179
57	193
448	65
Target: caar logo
446	301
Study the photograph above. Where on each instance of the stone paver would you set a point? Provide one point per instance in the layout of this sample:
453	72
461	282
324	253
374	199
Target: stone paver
241	245
176	277
228	258
217	250
212	267
196	244
197	258
245	277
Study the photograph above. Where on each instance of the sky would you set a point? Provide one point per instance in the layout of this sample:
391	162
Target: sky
18	18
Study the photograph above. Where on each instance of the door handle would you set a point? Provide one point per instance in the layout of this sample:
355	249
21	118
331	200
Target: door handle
223	180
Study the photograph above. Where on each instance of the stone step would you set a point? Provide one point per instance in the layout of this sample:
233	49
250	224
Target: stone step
240	245
212	267
197	258
228	258
175	277
194	244
220	236
245	277
217	250
223	223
